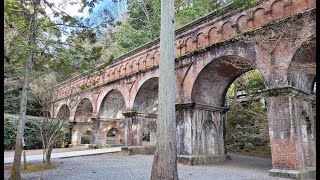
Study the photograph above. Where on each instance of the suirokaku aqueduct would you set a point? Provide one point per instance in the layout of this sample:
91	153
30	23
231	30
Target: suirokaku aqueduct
277	37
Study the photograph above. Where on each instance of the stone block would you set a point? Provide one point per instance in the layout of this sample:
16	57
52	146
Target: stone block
192	160
308	173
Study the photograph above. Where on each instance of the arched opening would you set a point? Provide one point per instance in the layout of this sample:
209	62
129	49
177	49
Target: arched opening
64	114
146	100
112	106
146	105
84	111
247	130
112	136
86	137
146	136
301	76
210	94
302	68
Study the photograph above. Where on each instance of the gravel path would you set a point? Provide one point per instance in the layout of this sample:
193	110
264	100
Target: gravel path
138	167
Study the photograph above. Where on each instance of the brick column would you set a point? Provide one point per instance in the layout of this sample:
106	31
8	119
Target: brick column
137	130
128	127
291	128
200	133
95	131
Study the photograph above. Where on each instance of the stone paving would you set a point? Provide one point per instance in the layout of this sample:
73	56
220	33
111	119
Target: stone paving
138	167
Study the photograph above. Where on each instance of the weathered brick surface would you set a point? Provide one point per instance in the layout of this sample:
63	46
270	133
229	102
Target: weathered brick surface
276	37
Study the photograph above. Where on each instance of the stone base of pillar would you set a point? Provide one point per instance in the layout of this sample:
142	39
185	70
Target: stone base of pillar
72	145
138	150
193	160
310	172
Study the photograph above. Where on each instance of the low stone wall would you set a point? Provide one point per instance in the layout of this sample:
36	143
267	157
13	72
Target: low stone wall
132	150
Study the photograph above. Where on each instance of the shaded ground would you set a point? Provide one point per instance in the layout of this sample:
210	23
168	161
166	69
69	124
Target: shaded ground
138	167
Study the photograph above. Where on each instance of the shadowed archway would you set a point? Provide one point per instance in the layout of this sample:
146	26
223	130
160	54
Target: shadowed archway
84	111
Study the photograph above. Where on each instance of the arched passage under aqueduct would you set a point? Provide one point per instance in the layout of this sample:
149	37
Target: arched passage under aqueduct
82	120
201	122
143	117
110	120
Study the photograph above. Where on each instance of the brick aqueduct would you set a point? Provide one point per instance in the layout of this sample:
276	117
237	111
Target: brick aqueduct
277	37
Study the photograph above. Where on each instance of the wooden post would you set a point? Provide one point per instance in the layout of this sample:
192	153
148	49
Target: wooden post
165	158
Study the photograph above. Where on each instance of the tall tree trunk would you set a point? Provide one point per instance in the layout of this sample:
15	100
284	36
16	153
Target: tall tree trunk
15	172
165	158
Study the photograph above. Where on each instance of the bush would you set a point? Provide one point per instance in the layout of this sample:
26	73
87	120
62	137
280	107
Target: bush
9	135
32	137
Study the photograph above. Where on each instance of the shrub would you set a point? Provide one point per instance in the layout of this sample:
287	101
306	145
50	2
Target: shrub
32	137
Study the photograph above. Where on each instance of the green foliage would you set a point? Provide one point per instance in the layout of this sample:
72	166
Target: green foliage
246	119
9	135
31	133
253	81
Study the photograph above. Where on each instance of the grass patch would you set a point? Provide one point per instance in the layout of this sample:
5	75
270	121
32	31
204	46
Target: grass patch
32	168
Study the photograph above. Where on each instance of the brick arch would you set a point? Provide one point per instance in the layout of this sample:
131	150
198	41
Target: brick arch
242	22
201	40
118	134
143	62
277	9
84	110
257	56
149	60
126	69
133	66
105	91
146	97
226	30
189	45
121	71
108	75
82	133
156	58
140	63
64	112
213	35
112	105
215	78
114	73
259	17
302	68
